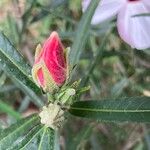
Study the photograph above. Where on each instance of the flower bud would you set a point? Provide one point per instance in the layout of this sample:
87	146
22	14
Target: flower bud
50	67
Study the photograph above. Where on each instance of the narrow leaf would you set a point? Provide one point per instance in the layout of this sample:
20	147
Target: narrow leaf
9	110
44	140
48	10
12	136
13	63
47	141
134	109
24	140
96	60
80	138
34	98
82	33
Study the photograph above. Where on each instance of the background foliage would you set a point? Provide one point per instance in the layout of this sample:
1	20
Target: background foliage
107	64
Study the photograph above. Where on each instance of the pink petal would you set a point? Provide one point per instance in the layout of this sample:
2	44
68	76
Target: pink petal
147	3
134	30
40	77
105	10
54	58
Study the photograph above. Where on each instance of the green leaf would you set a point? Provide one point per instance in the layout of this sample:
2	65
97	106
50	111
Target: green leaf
2	79
50	9
132	109
77	140
82	33
47	141
19	71
24	104
14	135
118	87
9	110
13	29
34	98
12	62
96	60
27	134
27	138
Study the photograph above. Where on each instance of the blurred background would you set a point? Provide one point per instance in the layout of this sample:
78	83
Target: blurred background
108	65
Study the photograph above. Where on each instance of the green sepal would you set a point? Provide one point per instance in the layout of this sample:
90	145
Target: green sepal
68	71
66	95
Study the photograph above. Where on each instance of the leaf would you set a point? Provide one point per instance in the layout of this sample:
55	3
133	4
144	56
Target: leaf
97	58
82	33
26	16
119	87
48	10
34	98
43	141
7	109
13	29
2	79
14	66
77	140
13	63
15	134
27	134
132	109
23	141
47	141
24	104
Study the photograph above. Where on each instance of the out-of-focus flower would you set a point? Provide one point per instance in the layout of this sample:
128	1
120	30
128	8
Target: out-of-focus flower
50	68
134	30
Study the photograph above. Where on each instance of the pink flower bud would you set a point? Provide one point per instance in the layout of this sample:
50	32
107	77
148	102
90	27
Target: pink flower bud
50	67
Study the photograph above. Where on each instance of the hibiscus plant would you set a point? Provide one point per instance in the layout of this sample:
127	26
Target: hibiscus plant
53	85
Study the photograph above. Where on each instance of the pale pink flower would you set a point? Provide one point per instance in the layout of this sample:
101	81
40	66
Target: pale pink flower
134	30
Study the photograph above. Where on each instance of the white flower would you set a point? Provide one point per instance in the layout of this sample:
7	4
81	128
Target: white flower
134	30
